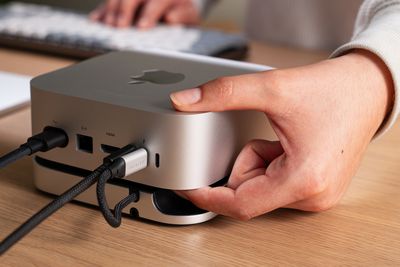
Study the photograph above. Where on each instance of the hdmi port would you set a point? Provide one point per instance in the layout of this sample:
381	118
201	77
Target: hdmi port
109	149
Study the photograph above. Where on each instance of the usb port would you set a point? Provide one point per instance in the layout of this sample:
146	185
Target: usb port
109	149
84	143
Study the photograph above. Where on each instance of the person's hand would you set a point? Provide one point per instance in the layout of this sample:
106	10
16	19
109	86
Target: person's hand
122	13
324	115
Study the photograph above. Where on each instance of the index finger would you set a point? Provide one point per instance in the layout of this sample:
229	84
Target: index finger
152	12
127	11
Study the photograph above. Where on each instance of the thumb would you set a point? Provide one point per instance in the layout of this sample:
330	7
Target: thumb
244	92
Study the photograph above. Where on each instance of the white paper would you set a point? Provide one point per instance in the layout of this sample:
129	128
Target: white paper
14	91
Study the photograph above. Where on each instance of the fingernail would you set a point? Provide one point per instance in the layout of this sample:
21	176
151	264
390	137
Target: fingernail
110	19
143	23
186	97
172	18
93	15
121	21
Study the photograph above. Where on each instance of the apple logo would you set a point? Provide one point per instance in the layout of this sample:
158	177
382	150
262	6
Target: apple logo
158	77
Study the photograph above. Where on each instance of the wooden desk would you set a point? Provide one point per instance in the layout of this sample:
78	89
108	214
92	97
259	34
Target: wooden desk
363	230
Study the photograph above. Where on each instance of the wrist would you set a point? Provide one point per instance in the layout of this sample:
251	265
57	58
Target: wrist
375	77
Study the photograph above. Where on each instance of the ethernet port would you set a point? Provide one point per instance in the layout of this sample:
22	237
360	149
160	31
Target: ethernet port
84	143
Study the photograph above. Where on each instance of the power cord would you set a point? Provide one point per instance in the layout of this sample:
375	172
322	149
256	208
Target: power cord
47	140
124	162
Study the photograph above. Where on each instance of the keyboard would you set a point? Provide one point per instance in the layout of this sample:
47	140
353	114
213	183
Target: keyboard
65	32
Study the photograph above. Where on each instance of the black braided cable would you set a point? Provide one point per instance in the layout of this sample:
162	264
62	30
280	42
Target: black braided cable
14	156
47	140
52	207
113	219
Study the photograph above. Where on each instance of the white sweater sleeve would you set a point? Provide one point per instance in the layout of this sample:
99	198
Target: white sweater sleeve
378	30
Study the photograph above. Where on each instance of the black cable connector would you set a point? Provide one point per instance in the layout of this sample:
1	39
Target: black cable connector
47	140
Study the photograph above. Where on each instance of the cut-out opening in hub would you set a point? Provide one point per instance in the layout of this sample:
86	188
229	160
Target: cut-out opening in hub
84	143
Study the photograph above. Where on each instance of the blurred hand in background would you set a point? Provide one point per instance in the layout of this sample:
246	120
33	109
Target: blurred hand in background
146	13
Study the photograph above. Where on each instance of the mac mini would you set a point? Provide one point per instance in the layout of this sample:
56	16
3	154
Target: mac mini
122	98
